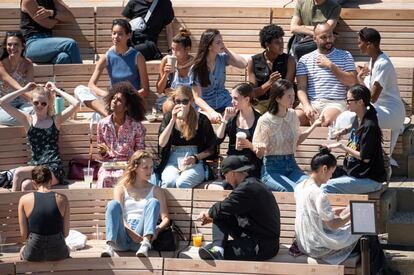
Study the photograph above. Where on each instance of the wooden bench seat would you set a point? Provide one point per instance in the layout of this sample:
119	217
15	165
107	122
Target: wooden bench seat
88	217
124	265
186	266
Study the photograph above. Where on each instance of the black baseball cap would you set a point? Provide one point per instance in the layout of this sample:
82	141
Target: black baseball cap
236	164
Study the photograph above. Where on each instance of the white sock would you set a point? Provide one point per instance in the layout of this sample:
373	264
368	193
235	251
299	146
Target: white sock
219	249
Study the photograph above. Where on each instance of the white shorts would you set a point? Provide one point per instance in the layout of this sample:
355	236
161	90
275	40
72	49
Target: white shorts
322	104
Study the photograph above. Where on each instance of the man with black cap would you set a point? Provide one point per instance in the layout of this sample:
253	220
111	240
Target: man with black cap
250	215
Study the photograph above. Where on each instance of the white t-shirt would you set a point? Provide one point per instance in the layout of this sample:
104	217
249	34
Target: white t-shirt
384	73
312	235
322	83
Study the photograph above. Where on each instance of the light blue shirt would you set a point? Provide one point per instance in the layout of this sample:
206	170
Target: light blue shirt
215	94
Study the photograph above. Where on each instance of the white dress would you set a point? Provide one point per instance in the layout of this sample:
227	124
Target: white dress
389	106
313	237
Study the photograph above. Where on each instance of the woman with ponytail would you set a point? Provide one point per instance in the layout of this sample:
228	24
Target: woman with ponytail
364	161
131	218
323	232
186	136
171	78
241	117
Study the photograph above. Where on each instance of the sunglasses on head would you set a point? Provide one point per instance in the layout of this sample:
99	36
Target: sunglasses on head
36	103
184	101
14	33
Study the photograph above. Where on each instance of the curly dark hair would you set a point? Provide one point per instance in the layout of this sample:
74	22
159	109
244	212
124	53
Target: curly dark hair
270	32
135	103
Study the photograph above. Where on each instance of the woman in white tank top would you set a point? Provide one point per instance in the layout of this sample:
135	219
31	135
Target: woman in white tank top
131	218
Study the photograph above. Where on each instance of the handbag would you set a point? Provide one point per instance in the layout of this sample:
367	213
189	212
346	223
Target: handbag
6	179
168	239
300	44
139	24
76	166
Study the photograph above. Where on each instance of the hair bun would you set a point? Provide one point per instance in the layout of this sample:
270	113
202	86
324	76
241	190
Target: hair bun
184	32
324	150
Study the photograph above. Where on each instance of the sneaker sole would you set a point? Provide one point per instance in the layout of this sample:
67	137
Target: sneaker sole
105	255
141	255
205	254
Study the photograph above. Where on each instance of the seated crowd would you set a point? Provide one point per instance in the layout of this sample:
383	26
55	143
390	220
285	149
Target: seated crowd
260	119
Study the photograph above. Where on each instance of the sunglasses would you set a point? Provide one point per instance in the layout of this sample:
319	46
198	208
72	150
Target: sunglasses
14	33
350	100
36	103
184	101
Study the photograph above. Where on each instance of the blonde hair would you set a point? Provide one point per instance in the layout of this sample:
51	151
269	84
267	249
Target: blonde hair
187	127
130	174
40	90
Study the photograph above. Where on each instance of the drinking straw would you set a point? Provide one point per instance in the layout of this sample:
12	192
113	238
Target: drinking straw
195	226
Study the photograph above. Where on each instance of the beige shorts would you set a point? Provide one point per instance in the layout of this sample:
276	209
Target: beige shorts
321	105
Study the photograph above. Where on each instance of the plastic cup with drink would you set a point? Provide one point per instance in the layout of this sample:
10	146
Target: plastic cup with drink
172	61
180	114
88	175
240	136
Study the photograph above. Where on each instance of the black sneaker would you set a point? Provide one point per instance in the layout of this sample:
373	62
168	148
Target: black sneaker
210	253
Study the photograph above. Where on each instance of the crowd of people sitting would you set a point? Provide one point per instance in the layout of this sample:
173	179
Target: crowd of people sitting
261	119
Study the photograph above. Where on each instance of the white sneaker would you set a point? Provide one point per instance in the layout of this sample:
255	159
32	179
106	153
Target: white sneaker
143	249
108	252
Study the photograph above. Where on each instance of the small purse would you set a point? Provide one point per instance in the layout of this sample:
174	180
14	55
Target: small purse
76	166
168	239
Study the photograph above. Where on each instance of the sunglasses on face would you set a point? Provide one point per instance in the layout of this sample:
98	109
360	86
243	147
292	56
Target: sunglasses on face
36	103
184	101
350	100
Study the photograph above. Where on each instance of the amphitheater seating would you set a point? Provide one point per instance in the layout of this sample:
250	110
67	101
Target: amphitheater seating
87	213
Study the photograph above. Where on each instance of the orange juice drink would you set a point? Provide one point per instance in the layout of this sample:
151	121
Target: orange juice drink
197	239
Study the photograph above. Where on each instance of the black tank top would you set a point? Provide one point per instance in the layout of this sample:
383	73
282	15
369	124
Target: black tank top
262	72
45	218
28	26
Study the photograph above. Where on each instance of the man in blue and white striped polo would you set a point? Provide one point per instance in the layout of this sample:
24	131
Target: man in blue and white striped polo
323	77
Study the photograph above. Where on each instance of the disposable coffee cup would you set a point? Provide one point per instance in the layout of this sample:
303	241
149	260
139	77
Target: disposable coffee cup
180	114
172	61
240	136
59	104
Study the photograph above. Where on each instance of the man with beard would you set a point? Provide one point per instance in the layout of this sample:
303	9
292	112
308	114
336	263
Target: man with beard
323	77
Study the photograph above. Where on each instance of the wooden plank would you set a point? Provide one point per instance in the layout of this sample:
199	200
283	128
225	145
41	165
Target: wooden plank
80	264
175	266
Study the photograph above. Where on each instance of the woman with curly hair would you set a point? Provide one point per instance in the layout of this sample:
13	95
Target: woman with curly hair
121	133
265	68
131	217
186	138
209	72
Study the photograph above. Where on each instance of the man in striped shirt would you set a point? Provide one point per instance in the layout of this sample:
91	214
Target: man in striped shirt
323	77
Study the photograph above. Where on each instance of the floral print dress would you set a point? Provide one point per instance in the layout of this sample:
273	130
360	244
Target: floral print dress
44	145
130	138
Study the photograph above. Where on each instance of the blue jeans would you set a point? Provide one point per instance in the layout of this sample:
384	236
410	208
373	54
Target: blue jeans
42	48
190	177
115	229
281	173
351	185
6	119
